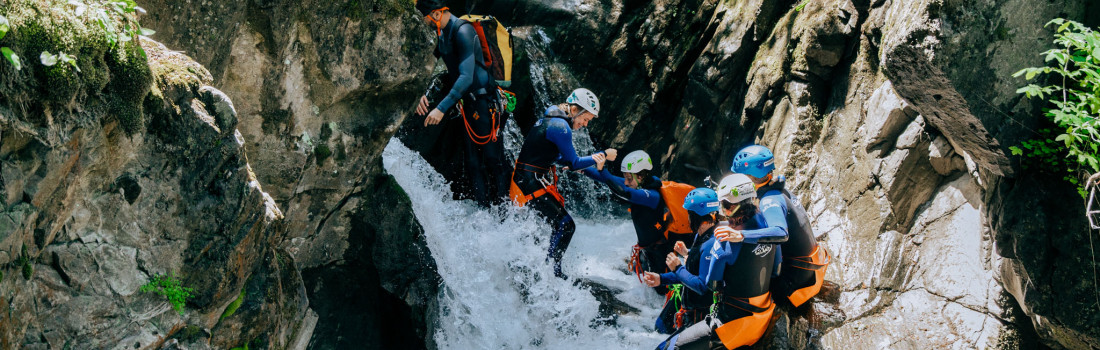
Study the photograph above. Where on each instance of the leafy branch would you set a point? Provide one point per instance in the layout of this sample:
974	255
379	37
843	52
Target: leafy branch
169	287
1076	98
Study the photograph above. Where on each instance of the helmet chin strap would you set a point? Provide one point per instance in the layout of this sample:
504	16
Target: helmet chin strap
438	21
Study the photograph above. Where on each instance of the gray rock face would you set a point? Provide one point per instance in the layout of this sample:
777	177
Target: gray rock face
319	88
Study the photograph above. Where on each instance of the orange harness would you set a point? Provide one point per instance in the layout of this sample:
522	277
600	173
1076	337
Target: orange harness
818	262
746	330
636	262
481	139
521	199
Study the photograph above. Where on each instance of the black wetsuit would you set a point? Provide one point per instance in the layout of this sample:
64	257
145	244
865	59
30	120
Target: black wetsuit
647	212
474	90
775	200
549	142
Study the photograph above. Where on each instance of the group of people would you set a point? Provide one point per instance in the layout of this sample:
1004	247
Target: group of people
718	255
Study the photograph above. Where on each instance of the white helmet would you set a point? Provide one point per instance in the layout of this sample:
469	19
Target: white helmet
586	99
636	161
736	188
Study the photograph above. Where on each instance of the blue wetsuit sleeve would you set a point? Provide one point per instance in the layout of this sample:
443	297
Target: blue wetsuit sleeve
724	253
558	132
668	278
640	196
465	44
774	209
694	282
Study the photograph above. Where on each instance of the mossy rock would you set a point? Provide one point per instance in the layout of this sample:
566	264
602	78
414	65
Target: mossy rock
110	78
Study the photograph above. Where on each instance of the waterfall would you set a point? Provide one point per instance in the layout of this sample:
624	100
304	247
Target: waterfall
498	290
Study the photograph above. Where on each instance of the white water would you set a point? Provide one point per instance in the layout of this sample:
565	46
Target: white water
498	291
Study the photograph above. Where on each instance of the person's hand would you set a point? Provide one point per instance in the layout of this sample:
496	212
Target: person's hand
680	248
611	153
600	159
728	234
433	118
422	107
672	261
651	279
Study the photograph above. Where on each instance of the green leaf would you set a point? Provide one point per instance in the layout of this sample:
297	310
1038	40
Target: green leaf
48	59
1031	74
1016	151
4	26
12	57
147	31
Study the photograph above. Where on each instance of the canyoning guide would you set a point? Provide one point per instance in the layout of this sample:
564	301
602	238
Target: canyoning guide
548	144
473	97
804	261
737	266
656	209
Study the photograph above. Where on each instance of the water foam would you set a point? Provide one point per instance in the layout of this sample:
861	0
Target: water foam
498	291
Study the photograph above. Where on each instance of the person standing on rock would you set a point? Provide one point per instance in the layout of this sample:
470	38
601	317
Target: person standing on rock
474	95
535	179
652	206
737	268
804	261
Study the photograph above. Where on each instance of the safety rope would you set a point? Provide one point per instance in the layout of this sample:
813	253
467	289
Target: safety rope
479	139
674	294
636	262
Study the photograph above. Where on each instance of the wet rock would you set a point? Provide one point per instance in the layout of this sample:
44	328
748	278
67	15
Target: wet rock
887	115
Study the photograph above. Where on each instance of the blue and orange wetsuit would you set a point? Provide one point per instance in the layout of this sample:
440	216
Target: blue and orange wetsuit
473	91
740	274
534	180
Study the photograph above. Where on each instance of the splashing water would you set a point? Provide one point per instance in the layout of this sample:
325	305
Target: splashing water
498	290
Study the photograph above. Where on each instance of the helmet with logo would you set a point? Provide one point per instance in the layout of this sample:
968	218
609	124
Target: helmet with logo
701	201
736	188
586	99
754	160
636	161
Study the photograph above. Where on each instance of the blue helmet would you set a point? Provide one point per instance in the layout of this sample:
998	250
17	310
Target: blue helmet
701	201
754	160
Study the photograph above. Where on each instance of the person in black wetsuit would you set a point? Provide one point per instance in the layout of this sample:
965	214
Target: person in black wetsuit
648	212
737	265
473	97
550	142
695	296
804	261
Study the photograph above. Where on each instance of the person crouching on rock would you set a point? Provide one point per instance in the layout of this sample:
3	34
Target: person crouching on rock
655	208
738	270
473	96
804	261
535	179
692	298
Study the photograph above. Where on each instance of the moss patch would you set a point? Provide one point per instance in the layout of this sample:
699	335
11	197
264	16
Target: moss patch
229	311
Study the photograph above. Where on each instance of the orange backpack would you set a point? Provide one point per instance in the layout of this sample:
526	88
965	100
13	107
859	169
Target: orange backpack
673	194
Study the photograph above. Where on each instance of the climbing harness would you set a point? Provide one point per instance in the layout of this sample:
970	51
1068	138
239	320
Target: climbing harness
675	295
551	188
480	139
